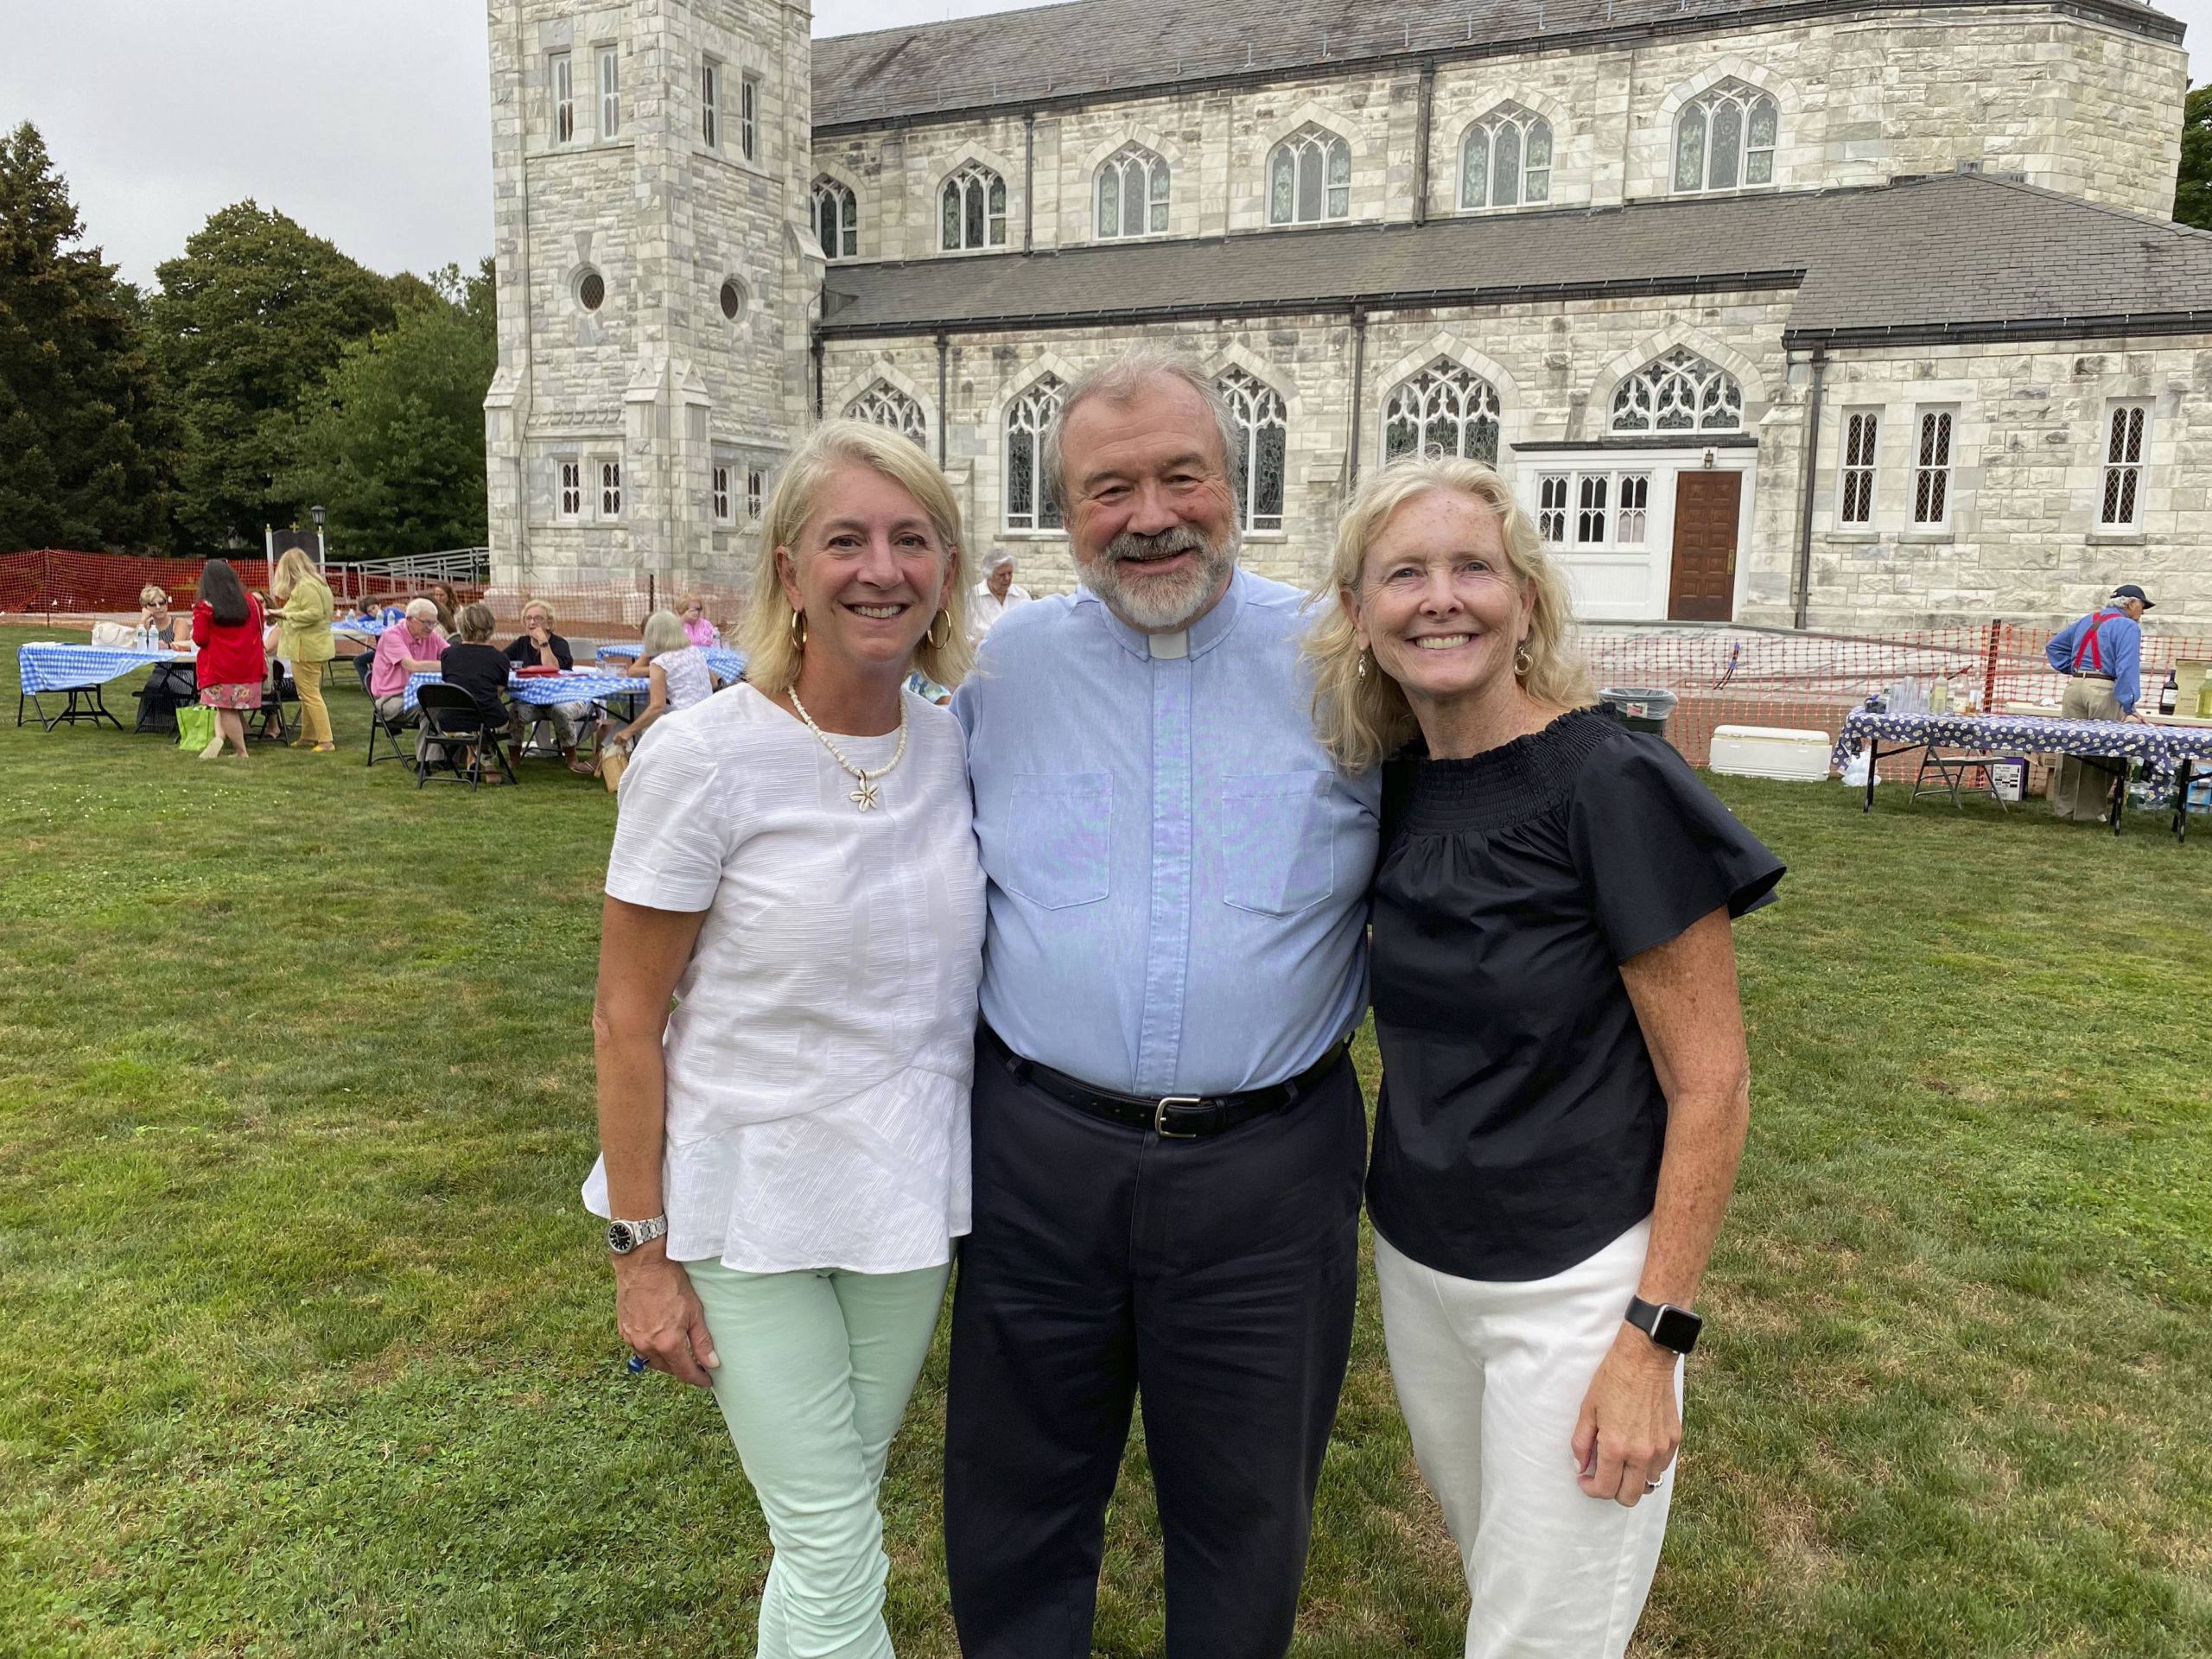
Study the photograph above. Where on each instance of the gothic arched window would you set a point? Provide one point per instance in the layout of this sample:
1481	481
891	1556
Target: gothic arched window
884	404
973	209
837	219
1446	406
1679	392
1029	503
1259	411
1309	178
1506	159
1725	138
1133	193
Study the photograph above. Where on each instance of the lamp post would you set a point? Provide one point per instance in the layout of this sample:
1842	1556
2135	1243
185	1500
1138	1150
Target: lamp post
317	514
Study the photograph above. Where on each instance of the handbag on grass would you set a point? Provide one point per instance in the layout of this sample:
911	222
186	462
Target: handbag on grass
195	727
610	768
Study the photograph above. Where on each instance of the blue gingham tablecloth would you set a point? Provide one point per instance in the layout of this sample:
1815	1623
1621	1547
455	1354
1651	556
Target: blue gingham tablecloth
56	667
2162	745
725	664
580	687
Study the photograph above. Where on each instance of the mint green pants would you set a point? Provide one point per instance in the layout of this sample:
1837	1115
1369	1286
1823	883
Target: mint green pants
816	1368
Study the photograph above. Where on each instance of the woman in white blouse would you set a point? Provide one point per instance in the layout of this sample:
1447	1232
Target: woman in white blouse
784	1158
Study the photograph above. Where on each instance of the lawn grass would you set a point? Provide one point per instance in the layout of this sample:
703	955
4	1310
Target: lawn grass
309	1347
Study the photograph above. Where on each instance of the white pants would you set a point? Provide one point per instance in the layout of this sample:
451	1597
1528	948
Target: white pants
1490	1376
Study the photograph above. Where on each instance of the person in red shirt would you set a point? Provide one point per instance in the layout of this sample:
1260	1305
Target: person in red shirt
227	626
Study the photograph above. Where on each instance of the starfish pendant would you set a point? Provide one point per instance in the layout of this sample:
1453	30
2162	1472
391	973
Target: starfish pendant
864	797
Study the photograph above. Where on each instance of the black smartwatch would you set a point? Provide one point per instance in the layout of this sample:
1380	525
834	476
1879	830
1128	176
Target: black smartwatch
1665	1323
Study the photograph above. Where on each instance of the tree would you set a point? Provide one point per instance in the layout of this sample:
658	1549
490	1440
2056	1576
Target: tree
254	312
79	421
2193	188
392	442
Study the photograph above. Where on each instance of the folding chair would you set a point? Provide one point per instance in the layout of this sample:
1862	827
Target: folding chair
390	729
1952	772
456	737
275	694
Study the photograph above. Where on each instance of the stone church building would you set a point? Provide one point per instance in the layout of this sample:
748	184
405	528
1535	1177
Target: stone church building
1850	313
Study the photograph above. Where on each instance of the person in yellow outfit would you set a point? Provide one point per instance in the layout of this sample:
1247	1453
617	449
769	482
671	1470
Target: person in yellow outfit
304	640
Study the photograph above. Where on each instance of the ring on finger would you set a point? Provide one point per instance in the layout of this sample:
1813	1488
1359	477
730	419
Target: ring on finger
1651	1486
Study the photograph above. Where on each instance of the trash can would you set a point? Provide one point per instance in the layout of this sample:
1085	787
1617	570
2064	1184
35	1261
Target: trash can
1639	708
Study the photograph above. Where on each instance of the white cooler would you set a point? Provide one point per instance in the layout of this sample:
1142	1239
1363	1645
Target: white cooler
1770	752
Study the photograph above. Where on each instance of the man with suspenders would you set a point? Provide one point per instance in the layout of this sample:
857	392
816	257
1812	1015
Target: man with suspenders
2099	654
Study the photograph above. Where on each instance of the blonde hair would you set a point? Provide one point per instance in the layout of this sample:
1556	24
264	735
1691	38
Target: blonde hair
685	601
476	623
1363	720
151	594
529	604
293	568
772	659
663	631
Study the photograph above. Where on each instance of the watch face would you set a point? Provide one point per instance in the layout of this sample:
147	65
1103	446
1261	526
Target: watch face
619	1239
1676	1329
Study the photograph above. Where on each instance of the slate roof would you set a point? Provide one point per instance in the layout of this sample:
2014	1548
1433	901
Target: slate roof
1949	257
1092	45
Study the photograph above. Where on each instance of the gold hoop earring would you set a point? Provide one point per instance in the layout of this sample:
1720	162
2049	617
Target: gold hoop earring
797	630
1522	663
930	634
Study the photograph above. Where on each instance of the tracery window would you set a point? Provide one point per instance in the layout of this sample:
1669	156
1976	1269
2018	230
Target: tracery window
2120	500
1855	472
564	98
1029	503
1931	471
610	91
1679	392
973	210
722	495
1133	193
1259	411
1506	159
837	219
1725	137
1446	406
1309	178
884	404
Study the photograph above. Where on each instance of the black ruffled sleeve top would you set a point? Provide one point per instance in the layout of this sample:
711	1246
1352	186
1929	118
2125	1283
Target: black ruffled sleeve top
1520	1122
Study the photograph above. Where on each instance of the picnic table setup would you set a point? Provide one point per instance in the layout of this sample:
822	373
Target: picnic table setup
44	668
2169	744
578	685
725	664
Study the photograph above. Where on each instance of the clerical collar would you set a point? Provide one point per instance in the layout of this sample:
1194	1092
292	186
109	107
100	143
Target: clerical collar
1169	646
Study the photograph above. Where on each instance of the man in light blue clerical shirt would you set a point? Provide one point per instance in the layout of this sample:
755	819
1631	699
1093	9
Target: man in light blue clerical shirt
1168	1137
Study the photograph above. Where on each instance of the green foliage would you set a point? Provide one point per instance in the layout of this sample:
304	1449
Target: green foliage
254	312
85	443
2193	187
392	442
311	1346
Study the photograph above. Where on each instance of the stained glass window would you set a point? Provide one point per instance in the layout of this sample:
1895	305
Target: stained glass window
973	209
1506	158
1260	472
837	219
1679	392
1029	504
1725	138
1447	408
1133	193
1309	178
884	404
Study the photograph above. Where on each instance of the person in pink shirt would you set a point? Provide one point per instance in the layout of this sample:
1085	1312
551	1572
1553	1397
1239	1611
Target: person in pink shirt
410	648
696	628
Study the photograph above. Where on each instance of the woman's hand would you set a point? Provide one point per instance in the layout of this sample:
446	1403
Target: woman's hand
1629	1429
659	1316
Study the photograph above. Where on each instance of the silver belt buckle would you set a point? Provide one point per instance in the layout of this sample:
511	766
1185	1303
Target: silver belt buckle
1159	1115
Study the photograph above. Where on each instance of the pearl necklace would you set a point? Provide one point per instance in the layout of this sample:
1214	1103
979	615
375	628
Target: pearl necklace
864	795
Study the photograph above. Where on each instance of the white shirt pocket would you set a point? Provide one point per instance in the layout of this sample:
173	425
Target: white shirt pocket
1277	845
1059	838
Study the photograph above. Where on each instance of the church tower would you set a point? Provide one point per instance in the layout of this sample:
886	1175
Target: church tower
656	279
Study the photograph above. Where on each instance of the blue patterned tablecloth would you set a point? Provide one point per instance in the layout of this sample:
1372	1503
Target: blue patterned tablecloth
582	686
2162	745
722	663
53	666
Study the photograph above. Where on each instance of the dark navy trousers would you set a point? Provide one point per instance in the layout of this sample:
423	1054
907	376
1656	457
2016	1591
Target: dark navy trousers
1212	1278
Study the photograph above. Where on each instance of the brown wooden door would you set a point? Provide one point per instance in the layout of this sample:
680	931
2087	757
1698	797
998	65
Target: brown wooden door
1703	586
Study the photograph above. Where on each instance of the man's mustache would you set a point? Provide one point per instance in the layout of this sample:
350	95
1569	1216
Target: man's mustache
1130	544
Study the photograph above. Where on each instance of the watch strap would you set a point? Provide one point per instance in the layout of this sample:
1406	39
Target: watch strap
1671	1327
634	1232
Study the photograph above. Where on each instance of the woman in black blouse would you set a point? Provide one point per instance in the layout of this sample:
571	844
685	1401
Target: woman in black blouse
1565	1087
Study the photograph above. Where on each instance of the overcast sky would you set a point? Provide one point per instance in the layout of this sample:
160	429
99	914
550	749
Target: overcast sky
365	120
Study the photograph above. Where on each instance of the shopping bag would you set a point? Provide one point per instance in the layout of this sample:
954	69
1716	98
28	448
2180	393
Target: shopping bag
195	726
610	768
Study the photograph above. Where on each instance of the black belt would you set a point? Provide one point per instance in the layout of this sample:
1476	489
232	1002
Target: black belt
1179	1117
2086	676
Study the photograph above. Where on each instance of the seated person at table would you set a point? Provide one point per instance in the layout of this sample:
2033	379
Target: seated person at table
410	648
677	669
691	611
538	646
154	612
479	668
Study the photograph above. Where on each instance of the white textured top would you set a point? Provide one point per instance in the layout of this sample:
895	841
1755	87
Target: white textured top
819	1058
690	680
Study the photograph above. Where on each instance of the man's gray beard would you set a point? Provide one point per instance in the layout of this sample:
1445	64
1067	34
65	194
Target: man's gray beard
1160	604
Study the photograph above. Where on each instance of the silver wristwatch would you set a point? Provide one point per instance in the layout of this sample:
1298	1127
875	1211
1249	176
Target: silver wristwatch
624	1236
